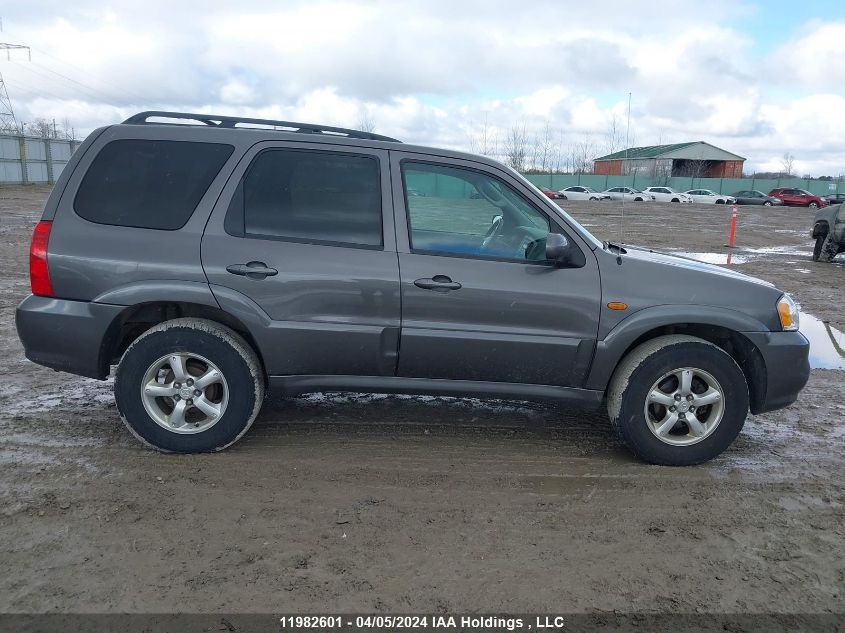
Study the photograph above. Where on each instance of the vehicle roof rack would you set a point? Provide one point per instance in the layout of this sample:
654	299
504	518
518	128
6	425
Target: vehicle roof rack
215	120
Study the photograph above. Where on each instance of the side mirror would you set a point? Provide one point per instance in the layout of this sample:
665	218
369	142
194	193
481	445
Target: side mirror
557	248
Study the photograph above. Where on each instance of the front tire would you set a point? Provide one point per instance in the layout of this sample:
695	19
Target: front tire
677	400
767	203
813	205
189	386
824	249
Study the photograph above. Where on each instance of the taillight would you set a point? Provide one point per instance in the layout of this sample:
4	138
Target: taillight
39	273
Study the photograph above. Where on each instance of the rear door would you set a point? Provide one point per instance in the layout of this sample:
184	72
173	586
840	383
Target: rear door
479	300
302	236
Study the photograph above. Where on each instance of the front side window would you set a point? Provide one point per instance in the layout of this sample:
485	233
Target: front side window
310	196
148	184
469	213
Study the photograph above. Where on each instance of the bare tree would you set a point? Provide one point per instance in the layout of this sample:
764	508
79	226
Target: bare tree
788	164
516	148
39	127
543	150
582	154
366	122
614	138
483	141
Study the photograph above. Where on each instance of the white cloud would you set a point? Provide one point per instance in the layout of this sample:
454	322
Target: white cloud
432	71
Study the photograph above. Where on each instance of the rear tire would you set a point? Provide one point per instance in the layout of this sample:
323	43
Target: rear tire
646	426
189	386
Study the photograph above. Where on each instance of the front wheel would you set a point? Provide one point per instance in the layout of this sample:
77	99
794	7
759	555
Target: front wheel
767	203
813	205
677	400
824	249
189	386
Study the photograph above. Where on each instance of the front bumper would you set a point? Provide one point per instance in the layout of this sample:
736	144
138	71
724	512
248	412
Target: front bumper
786	357
67	335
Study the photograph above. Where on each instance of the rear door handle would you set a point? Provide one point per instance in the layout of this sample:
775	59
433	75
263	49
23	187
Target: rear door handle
253	270
439	283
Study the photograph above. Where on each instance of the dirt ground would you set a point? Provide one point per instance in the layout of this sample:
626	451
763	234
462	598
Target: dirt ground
361	503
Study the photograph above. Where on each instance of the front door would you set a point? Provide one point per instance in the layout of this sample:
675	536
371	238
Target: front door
479	300
302	243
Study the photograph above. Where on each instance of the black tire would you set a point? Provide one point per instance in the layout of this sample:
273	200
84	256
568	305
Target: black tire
646	364
824	249
593	198
767	203
720	202
675	200
813	205
231	354
638	200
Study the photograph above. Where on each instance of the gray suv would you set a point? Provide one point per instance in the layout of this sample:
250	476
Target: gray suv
213	258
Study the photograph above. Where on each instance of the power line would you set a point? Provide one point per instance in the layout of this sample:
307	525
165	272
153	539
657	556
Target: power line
112	87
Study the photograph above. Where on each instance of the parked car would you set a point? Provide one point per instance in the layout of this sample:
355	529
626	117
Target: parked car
627	193
667	194
829	233
583	193
834	198
755	197
706	196
211	263
554	195
797	198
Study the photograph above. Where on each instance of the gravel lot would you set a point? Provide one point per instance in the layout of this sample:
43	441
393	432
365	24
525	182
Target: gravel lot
357	503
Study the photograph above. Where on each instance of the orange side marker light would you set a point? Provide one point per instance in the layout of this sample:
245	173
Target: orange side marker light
617	305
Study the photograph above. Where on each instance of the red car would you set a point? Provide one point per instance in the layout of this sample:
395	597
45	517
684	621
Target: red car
797	198
554	195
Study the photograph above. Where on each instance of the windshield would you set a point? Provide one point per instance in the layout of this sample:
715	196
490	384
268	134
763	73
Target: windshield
589	190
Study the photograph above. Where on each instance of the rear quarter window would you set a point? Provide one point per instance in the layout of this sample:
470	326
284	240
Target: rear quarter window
148	184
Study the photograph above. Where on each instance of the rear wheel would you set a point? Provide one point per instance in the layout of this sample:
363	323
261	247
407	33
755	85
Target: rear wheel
189	386
677	400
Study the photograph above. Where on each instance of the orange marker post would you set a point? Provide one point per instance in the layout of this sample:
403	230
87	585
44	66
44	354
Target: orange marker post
732	232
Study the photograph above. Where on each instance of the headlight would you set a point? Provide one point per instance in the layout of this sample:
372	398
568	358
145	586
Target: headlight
788	313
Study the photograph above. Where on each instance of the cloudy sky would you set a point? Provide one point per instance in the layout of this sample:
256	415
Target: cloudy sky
758	78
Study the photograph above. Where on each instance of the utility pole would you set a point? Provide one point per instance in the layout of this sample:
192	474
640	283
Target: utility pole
8	122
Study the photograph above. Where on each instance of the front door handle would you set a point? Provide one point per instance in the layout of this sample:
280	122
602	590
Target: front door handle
253	270
439	283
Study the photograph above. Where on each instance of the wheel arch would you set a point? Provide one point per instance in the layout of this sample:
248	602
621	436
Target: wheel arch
136	319
727	336
820	228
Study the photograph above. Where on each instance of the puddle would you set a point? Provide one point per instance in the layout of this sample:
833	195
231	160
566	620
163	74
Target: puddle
827	344
724	259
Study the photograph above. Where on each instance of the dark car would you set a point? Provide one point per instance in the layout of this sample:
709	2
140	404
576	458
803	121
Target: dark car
755	197
554	195
829	233
211	263
797	198
835	198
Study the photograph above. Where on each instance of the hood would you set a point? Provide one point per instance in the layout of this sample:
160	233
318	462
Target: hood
642	278
658	257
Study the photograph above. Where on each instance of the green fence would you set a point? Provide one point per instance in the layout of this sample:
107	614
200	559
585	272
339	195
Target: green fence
719	185
447	187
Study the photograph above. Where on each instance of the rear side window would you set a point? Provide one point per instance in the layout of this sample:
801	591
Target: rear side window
310	196
148	184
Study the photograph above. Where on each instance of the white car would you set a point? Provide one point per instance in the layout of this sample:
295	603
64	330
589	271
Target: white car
582	193
667	194
709	197
626	193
